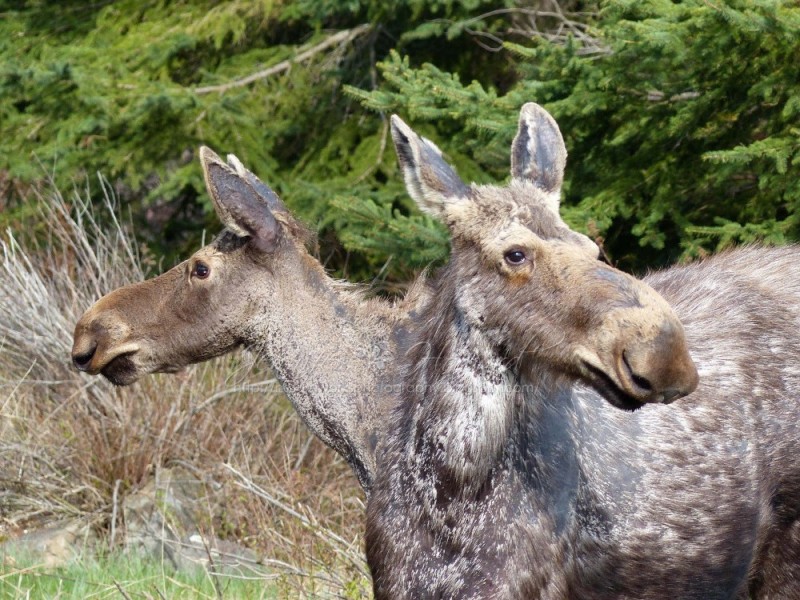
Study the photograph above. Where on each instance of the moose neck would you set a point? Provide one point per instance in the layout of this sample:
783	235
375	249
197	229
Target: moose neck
473	406
325	345
465	398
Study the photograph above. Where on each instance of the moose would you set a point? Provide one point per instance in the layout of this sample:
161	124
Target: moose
256	285
507	471
534	485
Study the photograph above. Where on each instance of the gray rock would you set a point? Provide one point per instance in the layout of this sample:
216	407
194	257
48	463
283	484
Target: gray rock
51	546
167	519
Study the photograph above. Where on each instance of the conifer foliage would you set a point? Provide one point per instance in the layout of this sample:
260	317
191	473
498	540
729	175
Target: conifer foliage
131	89
681	118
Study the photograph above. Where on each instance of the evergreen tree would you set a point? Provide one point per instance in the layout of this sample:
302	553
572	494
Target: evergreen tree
131	89
680	117
681	121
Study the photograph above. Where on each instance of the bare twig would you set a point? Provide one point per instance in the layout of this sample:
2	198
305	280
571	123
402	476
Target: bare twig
114	509
340	38
334	541
160	595
558	27
121	591
659	96
303	451
212	569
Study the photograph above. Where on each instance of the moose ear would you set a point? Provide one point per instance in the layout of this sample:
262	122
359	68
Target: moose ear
240	208
274	203
430	181
538	153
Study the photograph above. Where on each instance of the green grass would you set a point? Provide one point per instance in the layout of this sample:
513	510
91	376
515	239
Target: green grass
121	577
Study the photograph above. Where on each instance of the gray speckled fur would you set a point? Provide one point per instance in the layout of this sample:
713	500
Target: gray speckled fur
548	491
699	499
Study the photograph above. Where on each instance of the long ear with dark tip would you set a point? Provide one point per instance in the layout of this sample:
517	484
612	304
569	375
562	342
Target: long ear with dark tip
538	153
430	181
263	190
238	206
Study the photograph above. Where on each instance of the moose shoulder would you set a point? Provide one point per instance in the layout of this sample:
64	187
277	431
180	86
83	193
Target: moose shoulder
509	470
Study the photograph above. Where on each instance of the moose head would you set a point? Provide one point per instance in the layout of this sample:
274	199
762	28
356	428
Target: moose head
538	291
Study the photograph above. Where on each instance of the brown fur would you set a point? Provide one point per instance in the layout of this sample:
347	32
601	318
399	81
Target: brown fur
330	348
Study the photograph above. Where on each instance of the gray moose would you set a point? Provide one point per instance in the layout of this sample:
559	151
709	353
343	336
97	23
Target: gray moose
508	473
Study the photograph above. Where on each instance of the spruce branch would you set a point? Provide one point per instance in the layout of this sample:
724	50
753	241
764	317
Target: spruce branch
338	39
381	151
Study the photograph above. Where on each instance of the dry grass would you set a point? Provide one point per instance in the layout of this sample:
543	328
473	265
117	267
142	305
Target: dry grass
68	441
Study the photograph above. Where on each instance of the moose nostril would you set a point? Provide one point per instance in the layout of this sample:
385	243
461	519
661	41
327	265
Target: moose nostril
82	361
640	381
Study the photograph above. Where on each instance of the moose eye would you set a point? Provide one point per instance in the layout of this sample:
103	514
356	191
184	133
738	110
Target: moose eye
515	257
200	270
